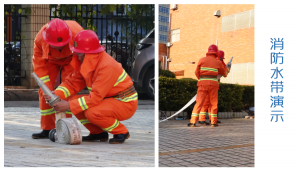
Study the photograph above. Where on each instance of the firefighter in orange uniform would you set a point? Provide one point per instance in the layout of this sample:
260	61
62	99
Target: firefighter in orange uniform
206	106
207	71
112	95
51	55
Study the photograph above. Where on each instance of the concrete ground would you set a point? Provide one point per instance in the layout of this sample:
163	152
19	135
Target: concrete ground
231	144
22	118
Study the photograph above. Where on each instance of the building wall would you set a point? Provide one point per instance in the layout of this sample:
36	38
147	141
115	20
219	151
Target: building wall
162	52
31	25
199	28
164	10
163	13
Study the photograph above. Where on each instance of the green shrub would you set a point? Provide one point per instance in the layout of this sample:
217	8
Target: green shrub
175	93
230	97
166	73
248	97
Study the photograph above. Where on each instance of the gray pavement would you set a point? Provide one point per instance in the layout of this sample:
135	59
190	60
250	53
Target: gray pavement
22	118
231	144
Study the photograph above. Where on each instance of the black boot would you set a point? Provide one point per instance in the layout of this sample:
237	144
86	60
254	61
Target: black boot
217	121
103	137
203	123
214	125
41	135
119	138
191	125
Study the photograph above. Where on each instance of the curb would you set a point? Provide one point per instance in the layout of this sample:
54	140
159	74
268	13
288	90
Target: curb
185	115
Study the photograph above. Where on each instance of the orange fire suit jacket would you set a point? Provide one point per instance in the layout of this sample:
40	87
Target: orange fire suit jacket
42	53
212	66
103	76
226	69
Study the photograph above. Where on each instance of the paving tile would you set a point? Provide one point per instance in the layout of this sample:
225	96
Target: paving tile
211	147
20	150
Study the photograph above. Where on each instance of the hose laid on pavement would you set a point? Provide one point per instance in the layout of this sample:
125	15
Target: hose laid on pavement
184	107
68	131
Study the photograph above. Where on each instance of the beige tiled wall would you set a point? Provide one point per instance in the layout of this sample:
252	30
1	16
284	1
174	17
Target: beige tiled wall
242	73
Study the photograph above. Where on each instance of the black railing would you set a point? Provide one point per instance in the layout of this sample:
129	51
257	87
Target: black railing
12	46
117	32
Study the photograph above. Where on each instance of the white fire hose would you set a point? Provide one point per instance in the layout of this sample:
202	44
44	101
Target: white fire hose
187	105
68	130
184	107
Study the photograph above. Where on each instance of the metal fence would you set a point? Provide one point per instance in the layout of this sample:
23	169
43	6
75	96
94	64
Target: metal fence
12	45
116	31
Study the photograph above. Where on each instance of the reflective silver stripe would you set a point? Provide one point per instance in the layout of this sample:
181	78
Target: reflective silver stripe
121	77
202	113
195	114
82	103
208	69
211	79
69	112
47	112
130	98
45	78
84	121
64	90
109	129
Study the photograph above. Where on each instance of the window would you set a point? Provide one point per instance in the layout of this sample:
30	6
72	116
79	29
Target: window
165	38
175	35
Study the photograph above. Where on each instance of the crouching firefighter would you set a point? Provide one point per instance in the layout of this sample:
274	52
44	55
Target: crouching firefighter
207	71
51	57
112	96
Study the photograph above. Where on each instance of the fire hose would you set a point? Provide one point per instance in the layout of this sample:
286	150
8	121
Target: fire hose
67	129
184	107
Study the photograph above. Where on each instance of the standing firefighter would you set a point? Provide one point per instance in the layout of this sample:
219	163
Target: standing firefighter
112	96
206	106
207	71
51	55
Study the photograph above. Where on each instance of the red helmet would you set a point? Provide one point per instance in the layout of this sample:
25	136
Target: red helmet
57	33
86	41
213	49
221	55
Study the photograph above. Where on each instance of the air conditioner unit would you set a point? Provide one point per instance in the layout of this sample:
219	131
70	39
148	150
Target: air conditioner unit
173	6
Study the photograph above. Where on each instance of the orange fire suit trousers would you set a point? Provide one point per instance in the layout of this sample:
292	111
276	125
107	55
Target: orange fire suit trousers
47	112
106	115
202	92
206	106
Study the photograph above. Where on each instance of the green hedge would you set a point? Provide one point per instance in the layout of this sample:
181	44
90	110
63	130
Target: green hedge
175	93
166	73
